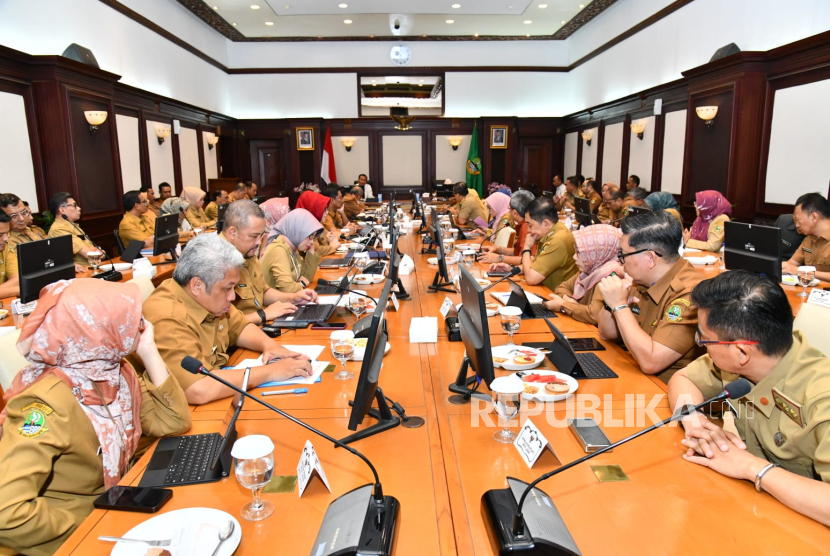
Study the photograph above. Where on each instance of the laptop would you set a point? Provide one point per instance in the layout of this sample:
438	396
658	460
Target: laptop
195	458
577	365
635	211
331	290
518	298
308	314
132	251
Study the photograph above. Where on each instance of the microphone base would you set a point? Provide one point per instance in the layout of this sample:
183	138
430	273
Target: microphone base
362	327
111	276
374	532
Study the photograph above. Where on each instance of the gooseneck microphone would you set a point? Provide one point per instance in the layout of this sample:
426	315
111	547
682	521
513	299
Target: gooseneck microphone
493	235
110	275
323	282
514	270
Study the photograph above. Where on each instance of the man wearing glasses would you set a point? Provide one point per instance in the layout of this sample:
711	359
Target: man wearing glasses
67	213
9	280
783	441
136	225
650	309
22	230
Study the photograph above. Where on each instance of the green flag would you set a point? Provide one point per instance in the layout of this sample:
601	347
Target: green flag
474	164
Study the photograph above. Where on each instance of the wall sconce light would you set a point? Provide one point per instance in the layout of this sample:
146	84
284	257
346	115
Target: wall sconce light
707	114
95	118
211	141
587	136
162	133
348	143
638	128
455	143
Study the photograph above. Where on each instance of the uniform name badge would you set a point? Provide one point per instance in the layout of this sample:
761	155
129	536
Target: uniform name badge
530	443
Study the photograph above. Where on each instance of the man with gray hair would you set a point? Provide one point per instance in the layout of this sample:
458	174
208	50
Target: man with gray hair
519	201
244	228
193	315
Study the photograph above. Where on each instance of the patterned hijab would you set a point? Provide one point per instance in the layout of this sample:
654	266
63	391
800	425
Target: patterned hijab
596	251
193	195
275	209
80	332
661	200
315	203
500	203
297	225
172	206
711	204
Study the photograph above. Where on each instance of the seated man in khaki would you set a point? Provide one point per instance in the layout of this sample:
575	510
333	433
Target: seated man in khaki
617	209
9	280
353	203
218	197
152	208
812	219
238	193
572	189
250	190
22	230
193	315
244	227
165	192
590	192
649	309
468	206
136	225
555	247
335	217
783	424
636	198
67	213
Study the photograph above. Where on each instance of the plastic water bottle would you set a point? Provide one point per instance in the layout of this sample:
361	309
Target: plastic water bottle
721	265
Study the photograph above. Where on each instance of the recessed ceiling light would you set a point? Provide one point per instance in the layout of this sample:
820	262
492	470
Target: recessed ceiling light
254	7
288	6
528	22
543	6
450	21
342	5
528	34
456	6
421	80
347	21
475	35
269	23
581	6
373	80
216	8
371	36
234	24
563	23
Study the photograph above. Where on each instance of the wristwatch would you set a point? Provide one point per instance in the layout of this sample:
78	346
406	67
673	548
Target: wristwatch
761	474
562	309
500	259
261	314
526	251
619	308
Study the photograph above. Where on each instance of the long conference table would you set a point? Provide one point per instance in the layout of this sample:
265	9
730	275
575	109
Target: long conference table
439	471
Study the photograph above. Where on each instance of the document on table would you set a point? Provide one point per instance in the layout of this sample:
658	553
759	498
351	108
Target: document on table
312	352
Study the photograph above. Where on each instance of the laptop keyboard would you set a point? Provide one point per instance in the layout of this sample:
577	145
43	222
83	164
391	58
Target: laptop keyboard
345	261
192	459
313	312
540	311
594	367
327	290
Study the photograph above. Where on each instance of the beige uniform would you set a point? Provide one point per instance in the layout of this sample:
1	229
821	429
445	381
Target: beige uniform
282	266
814	251
714	239
50	475
353	205
197	218
212	210
333	220
568	199
616	216
250	291
135	228
585	309
603	212
595	200
8	263
785	418
61	227
555	256
674	213
469	209
183	327
31	233
666	313
155	208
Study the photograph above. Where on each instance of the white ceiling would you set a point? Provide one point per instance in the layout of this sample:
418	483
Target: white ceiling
324	18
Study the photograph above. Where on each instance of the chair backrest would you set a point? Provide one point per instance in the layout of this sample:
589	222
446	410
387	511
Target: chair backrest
144	284
812	321
10	359
118	242
504	238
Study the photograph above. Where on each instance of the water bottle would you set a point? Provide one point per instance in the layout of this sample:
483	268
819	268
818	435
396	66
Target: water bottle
721	265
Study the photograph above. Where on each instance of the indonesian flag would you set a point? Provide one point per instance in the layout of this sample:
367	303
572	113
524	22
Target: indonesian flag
327	170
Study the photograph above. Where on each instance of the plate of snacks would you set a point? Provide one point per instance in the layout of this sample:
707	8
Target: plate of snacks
516	358
547	386
492	309
360	348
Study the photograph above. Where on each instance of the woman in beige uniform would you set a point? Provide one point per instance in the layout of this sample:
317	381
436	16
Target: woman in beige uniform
195	213
713	209
75	416
596	258
290	260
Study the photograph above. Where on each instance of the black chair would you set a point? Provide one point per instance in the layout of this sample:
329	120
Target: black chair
118	242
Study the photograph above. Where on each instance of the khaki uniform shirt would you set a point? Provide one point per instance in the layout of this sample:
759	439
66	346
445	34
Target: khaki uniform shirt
674	213
8	263
604	213
212	210
250	291
555	256
715	238
469	209
568	199
282	266
666	313
814	251
155	208
618	215
135	228
353	205
585	309
197	218
61	227
333	221
183	327
785	418
49	477
31	233
596	200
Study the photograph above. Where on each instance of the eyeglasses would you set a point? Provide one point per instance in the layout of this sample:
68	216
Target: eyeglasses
145	202
73	205
704	343
22	215
621	256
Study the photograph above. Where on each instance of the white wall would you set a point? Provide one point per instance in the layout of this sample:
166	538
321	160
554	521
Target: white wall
402	160
641	153
161	156
189	157
349	165
449	163
211	168
799	143
15	150
128	151
612	153
524	94
674	143
589	154
322	95
571	142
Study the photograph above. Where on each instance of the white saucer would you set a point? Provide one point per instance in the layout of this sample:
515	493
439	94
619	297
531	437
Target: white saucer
503	350
366	279
120	267
543	395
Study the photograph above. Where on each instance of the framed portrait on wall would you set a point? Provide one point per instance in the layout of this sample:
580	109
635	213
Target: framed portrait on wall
305	138
498	136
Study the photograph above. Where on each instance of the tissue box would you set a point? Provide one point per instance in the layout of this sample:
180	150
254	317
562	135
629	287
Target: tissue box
423	330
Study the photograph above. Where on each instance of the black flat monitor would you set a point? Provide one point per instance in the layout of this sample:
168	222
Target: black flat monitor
259	199
166	236
636	211
752	247
44	262
441	189
367	383
220	217
441	282
582	212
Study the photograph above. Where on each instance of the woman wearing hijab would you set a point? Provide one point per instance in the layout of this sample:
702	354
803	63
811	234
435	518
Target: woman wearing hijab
74	417
290	258
596	258
663	200
708	230
274	211
177	205
498	207
317	204
195	213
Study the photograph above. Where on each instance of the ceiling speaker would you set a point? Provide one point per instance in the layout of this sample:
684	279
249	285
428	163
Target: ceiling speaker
80	54
725	51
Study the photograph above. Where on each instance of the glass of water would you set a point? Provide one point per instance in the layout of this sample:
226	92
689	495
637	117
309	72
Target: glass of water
806	275
361	262
254	466
342	348
507	407
469	259
511	320
94	259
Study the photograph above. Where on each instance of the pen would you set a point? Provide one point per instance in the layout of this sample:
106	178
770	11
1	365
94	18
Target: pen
278	392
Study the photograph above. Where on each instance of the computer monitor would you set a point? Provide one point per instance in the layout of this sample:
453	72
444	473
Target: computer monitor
635	211
441	282
220	217
475	333
166	236
752	247
441	189
584	216
367	383
259	199
395	258
44	262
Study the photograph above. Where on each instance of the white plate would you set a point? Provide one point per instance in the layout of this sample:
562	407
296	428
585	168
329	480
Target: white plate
482	282
120	267
434	261
347	246
365	279
791	280
468	246
707	260
544	396
164	525
492	312
360	349
503	351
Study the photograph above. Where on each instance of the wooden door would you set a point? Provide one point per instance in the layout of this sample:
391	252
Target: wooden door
267	166
536	162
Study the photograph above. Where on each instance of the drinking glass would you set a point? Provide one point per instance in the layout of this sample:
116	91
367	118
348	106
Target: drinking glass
469	259
806	275
254	466
449	245
94	259
361	263
507	407
511	320
454	233
343	349
357	304
455	277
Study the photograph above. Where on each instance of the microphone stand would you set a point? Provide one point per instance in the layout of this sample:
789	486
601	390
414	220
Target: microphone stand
363	326
110	275
513	272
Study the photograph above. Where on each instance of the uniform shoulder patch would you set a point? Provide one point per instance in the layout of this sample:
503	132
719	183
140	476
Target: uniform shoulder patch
718	228
789	407
34	424
675	311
